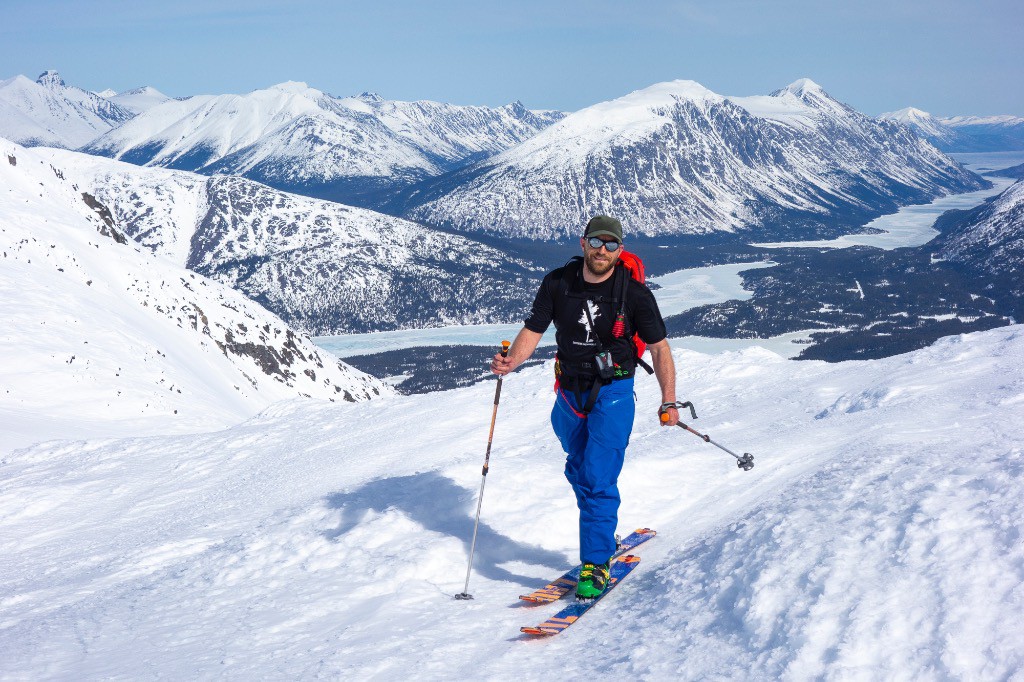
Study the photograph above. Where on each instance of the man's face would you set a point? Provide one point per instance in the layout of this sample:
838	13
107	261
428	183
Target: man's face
599	261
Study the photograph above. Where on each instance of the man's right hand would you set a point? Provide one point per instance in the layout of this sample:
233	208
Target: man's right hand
502	365
521	350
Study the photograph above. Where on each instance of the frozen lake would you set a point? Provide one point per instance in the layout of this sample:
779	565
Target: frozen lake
912	225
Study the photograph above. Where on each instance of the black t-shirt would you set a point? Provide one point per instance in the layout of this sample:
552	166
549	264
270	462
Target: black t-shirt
561	299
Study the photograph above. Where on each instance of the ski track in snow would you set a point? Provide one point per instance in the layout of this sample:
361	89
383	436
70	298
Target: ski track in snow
878	536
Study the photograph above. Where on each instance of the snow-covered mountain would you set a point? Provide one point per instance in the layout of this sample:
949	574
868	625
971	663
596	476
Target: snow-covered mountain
455	133
924	124
878	536
988	133
138	100
991	238
49	112
325	268
295	137
676	158
1010	172
95	327
964	133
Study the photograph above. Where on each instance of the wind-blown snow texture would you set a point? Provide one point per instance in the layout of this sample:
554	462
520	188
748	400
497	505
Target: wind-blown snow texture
676	158
96	329
323	267
878	536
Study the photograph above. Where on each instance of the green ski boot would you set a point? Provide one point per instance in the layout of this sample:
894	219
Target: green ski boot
593	580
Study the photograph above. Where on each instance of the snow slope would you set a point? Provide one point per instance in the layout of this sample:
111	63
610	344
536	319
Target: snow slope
96	331
877	537
676	158
323	267
49	112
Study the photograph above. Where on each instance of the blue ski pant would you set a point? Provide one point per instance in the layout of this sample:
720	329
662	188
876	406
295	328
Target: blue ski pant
595	448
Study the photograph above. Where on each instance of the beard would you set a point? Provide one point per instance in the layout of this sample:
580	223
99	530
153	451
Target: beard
600	262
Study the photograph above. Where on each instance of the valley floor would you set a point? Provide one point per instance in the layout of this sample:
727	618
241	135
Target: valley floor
877	537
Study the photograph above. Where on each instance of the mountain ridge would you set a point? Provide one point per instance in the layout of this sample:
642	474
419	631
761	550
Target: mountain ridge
324	267
676	159
300	139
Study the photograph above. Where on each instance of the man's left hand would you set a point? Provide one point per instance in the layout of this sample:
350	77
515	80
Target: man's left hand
668	416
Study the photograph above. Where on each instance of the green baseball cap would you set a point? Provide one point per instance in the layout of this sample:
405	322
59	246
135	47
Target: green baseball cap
604	226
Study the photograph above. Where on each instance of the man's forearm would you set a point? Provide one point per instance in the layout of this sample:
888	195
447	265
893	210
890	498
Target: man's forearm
523	347
664	370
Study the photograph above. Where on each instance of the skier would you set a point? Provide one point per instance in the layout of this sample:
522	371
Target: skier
596	359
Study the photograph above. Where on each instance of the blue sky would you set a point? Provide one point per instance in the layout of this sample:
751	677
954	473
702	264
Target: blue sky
947	57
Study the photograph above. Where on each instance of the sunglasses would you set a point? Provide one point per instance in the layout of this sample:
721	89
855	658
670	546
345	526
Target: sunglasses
597	243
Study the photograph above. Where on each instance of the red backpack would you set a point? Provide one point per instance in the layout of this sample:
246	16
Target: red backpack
635	267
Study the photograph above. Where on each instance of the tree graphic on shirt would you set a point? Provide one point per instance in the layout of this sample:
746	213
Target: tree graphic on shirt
595	312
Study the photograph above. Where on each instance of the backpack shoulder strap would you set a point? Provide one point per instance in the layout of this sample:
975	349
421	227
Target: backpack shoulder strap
571	269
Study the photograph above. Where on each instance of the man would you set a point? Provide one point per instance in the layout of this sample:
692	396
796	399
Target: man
596	360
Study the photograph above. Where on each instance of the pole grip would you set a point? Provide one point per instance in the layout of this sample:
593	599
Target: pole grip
504	348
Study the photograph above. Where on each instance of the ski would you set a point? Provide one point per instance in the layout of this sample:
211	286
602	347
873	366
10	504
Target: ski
622	567
560	587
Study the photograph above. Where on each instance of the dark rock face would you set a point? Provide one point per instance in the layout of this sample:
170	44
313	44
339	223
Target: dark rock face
108	228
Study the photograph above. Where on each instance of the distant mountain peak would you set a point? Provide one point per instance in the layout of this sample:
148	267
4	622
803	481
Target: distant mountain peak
106	94
921	122
144	90
51	79
49	112
294	87
907	115
676	90
650	100
803	86
370	97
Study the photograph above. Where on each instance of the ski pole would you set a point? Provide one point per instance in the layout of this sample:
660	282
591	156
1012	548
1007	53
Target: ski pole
480	497
746	462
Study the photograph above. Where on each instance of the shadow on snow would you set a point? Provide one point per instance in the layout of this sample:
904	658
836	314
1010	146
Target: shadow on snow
441	506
